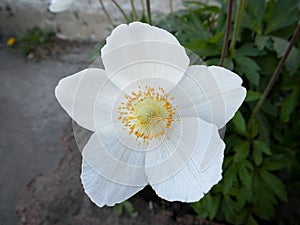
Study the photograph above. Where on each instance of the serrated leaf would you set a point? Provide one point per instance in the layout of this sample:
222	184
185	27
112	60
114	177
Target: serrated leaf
262	147
281	14
274	184
249	68
289	104
262	42
239	123
254	15
293	60
248	50
252	96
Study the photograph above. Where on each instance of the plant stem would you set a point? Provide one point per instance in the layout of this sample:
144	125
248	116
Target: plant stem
171	6
134	17
107	14
237	24
149	11
277	71
228	27
122	11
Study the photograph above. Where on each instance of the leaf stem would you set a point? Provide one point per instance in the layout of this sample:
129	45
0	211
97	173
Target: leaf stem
148	5
277	71
237	24
107	14
122	11
134	17
228	27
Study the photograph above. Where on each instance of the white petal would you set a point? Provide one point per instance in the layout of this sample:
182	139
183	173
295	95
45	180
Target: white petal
77	94
102	191
191	182
139	50
216	93
230	85
60	5
114	161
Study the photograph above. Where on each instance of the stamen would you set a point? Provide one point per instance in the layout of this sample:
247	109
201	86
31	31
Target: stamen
147	114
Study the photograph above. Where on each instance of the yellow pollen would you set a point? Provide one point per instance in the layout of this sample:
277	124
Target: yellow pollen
147	113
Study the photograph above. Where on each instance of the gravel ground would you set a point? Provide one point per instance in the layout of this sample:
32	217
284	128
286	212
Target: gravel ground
31	120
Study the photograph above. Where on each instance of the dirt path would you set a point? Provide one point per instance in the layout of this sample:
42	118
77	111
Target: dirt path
31	120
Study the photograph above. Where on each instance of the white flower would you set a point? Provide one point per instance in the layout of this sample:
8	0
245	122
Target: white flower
59	5
155	118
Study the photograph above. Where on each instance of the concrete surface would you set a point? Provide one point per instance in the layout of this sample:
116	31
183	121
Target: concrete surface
31	120
85	20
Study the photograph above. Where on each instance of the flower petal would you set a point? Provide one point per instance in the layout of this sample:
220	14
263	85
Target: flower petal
60	5
190	183
77	94
114	161
139	50
102	191
216	93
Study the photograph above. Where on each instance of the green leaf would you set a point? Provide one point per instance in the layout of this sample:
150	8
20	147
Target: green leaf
257	157
249	68
252	96
213	205
274	184
228	63
128	207
293	60
262	42
262	147
254	15
264	126
248	50
253	127
289	104
275	164
230	177
244	175
239	123
281	14
242	152
118	209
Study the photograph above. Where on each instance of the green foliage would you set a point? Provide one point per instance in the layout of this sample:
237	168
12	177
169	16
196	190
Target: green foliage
125	206
34	38
261	153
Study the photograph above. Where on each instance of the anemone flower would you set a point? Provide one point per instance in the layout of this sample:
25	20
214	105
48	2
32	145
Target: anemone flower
59	5
154	117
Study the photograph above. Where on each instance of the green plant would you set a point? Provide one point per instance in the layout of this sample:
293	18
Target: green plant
124	206
261	154
33	39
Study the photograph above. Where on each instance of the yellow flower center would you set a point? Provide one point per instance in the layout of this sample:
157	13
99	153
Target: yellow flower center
147	114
